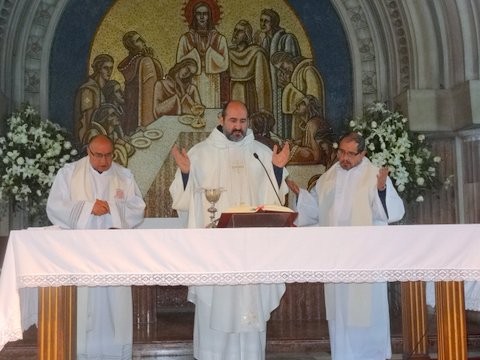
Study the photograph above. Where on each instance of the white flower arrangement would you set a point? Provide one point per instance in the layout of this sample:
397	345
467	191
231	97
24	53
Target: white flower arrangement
413	168
31	153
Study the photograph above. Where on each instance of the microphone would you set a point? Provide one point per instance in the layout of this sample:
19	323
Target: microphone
255	155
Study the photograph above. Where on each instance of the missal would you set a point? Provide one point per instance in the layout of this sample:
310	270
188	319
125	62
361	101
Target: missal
260	208
257	216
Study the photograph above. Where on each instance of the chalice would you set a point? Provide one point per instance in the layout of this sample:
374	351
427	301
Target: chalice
198	110
212	195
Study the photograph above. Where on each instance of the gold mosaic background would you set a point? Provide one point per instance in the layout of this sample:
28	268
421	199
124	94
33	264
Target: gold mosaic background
161	23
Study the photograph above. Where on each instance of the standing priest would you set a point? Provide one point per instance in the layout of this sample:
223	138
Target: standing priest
96	193
230	321
353	192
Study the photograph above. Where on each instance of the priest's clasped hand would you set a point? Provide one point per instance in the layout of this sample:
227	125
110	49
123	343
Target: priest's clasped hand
100	207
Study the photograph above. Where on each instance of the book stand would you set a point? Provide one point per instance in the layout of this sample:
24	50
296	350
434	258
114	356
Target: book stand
257	219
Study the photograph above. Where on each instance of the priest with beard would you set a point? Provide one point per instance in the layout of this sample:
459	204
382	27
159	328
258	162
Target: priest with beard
230	321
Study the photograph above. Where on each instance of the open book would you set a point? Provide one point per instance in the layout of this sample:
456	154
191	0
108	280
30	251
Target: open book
260	208
259	216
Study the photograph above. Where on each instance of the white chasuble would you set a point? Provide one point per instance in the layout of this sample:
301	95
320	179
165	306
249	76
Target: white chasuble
238	178
357	314
104	314
230	321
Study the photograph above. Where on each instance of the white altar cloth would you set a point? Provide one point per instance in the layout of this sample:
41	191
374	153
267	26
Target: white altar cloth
52	257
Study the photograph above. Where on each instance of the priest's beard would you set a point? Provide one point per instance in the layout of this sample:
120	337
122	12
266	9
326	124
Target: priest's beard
235	135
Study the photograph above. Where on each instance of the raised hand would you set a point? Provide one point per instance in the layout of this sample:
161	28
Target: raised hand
281	158
382	178
181	159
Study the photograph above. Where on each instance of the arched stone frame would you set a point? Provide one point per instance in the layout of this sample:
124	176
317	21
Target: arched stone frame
469	33
444	44
379	48
10	44
25	50
444	68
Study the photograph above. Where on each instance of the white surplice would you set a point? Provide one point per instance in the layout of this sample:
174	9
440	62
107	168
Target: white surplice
357	314
104	314
230	321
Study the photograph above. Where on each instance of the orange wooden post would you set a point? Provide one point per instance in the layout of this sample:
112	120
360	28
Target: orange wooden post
57	322
414	320
451	320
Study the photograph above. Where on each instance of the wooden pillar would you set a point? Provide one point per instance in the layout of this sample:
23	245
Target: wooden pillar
451	320
414	320
57	321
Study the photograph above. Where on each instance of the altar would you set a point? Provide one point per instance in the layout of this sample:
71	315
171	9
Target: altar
50	258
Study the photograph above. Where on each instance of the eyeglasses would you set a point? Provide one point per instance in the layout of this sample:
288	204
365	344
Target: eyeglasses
350	154
100	156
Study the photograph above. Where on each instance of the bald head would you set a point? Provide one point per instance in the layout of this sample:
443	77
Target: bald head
234	120
100	152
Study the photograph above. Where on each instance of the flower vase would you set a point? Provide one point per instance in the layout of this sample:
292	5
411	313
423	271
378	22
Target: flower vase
17	218
20	215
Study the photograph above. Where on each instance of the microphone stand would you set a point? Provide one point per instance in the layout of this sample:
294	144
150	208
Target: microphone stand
266	172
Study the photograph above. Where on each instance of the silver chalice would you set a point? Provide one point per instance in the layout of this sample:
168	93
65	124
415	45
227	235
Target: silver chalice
212	195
